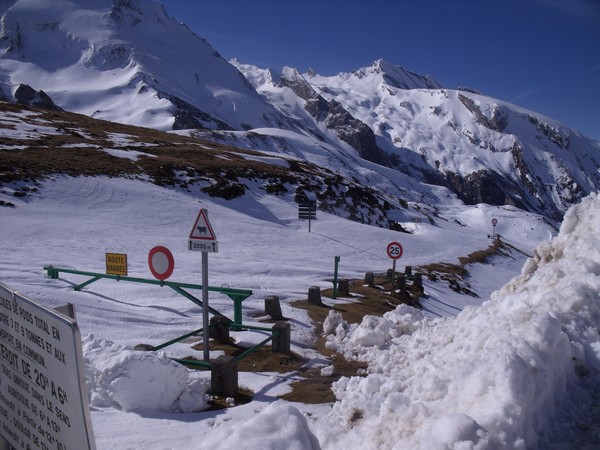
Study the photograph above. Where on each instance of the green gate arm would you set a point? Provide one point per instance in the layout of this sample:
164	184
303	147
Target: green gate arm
195	300
237	295
84	284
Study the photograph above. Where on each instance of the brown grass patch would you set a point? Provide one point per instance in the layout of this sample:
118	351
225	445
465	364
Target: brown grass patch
457	274
315	388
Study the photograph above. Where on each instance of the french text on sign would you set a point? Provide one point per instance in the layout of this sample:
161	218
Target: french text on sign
42	389
116	264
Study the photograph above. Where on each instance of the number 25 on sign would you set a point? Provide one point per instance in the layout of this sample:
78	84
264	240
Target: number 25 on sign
394	251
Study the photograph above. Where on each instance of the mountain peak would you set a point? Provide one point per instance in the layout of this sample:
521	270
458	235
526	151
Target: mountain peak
397	76
124	47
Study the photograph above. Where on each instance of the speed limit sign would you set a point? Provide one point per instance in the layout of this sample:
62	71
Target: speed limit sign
494	221
394	250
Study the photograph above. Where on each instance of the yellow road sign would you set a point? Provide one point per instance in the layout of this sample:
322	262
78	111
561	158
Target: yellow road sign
116	264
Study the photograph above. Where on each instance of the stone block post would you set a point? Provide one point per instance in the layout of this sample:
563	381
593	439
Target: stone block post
224	376
370	279
282	337
418	283
344	287
314	295
273	307
219	329
401	282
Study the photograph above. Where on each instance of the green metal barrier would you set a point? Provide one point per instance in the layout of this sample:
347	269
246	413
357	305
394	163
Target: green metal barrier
237	295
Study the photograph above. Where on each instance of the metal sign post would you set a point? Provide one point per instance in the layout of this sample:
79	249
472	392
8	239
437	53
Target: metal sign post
202	238
205	322
308	210
335	276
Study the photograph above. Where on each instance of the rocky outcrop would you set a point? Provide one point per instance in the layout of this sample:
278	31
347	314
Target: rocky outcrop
26	95
335	117
499	120
561	139
187	116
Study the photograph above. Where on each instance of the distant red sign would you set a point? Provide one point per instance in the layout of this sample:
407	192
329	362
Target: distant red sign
494	221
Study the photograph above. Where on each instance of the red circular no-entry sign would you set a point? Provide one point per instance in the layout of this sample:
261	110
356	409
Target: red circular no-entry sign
394	250
161	262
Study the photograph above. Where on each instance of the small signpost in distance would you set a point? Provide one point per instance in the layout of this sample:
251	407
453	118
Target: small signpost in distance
494	223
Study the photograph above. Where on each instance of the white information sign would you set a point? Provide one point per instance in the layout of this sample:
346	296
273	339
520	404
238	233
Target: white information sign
43	397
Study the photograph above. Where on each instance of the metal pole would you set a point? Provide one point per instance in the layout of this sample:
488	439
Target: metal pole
335	276
393	271
205	323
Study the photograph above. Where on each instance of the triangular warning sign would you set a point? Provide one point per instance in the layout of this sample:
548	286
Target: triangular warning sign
202	228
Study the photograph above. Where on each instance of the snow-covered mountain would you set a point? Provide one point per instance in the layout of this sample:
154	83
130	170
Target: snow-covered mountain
124	61
128	61
485	150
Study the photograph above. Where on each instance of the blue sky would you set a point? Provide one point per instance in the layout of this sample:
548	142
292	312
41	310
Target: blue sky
543	55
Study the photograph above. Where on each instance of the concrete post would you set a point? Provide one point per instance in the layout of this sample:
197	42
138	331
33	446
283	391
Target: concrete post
389	274
418	283
273	307
314	295
219	329
370	279
408	271
282	341
224	376
401	282
344	287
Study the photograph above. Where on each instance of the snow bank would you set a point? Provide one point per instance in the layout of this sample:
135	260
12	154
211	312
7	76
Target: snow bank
509	374
118	377
278	426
